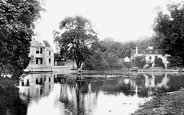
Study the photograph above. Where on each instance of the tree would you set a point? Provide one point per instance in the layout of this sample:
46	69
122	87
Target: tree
75	38
139	61
169	30
158	62
16	30
96	61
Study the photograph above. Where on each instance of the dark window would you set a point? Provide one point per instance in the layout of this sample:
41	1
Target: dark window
41	81
41	50
39	60
36	80
49	60
49	53
22	83
27	82
41	91
150	57
49	79
37	50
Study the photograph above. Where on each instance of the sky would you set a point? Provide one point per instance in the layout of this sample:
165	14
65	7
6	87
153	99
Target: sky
121	20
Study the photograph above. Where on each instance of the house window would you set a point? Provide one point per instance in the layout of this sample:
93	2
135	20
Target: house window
39	60
41	50
49	53
143	52
156	52
49	60
150	52
37	50
150	57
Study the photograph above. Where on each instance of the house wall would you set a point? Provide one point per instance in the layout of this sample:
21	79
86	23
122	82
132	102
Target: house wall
49	57
37	62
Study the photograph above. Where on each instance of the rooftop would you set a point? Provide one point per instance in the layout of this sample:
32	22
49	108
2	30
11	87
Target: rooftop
35	43
46	43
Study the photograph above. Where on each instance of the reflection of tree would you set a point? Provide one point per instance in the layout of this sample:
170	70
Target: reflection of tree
72	95
159	78
10	103
112	87
140	80
80	98
176	82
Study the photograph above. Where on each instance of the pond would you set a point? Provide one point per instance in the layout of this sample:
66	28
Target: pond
62	94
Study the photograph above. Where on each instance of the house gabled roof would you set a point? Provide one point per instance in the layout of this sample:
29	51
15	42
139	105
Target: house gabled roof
46	43
35	43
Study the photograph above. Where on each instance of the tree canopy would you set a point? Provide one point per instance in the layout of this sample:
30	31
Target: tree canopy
169	30
75	38
16	30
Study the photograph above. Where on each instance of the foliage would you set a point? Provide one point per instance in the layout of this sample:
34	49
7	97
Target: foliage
169	30
10	102
139	61
16	30
57	56
96	61
158	62
106	55
75	38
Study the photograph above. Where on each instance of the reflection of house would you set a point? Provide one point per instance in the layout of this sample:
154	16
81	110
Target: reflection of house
41	54
150	55
36	85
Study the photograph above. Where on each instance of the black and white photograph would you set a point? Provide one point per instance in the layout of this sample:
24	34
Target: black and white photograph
91	57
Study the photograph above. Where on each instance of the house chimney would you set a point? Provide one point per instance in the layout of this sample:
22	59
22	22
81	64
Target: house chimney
136	50
150	47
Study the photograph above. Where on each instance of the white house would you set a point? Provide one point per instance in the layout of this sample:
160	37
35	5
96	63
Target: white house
41	54
36	53
150	55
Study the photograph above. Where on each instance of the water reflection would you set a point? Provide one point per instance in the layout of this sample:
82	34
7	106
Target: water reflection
61	94
35	86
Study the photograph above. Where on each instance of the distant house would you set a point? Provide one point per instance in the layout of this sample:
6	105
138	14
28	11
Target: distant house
41	54
150	55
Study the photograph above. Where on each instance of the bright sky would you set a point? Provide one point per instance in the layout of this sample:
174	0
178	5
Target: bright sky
121	20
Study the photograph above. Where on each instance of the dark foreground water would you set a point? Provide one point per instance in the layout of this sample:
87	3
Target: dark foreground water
58	94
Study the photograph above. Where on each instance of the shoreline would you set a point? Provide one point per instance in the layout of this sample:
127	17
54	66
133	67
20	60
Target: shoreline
171	103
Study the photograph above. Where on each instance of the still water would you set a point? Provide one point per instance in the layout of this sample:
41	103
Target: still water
60	94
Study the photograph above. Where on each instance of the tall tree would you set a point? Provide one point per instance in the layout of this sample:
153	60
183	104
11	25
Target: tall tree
16	30
169	30
75	37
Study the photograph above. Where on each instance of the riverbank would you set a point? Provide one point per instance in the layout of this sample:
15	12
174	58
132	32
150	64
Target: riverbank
165	104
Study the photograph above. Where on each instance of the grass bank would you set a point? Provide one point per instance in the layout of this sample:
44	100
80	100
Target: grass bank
165	104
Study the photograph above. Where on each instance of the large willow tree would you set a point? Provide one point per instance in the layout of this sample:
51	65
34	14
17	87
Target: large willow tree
169	30
16	30
75	38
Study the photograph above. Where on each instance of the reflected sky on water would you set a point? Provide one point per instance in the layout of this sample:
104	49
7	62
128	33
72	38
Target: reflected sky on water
60	94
